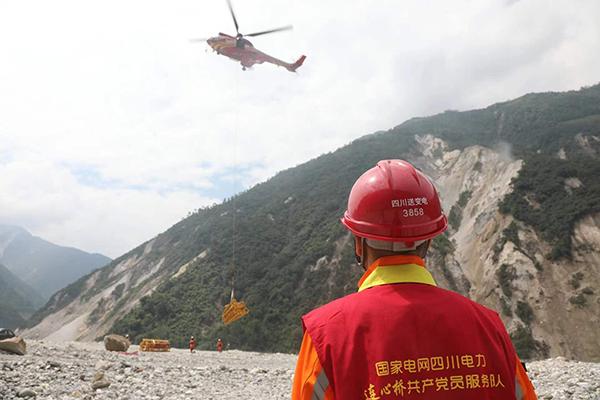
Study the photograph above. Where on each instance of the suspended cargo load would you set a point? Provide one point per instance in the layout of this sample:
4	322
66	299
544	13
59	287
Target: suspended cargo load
155	345
233	311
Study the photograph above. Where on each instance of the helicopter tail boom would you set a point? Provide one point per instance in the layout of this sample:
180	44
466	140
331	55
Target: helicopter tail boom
293	67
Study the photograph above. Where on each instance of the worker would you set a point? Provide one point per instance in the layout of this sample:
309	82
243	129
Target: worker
220	345
192	342
127	337
400	335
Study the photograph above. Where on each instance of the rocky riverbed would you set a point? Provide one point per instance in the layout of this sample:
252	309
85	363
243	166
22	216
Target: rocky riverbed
66	371
559	379
61	371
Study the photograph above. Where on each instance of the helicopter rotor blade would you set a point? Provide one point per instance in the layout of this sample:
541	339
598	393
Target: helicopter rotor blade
237	28
198	40
284	28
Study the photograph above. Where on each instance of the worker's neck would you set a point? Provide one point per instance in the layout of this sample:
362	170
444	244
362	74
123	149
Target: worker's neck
372	255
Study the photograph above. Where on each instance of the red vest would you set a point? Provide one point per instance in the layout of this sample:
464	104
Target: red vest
415	341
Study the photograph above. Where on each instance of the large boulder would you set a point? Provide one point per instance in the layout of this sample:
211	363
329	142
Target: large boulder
115	343
14	345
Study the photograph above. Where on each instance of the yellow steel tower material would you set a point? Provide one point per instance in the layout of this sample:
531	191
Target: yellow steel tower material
155	345
234	310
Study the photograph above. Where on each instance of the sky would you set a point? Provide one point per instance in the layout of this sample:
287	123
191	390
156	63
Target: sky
113	126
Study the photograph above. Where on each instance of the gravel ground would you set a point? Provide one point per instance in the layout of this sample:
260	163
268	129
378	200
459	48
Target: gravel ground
65	371
61	371
559	379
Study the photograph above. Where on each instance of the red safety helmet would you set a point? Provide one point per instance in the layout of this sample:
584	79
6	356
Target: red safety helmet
394	202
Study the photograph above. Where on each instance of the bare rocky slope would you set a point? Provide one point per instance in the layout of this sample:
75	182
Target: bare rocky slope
546	287
295	256
85	319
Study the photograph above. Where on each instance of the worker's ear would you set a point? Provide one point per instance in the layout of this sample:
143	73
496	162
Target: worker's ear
358	246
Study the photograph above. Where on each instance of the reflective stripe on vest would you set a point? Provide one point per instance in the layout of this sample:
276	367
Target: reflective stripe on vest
320	386
518	390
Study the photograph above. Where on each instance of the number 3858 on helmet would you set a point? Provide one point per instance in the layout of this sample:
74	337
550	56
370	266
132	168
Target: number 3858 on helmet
394	202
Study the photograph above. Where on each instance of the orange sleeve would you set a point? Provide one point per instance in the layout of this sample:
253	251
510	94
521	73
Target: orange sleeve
524	382
310	381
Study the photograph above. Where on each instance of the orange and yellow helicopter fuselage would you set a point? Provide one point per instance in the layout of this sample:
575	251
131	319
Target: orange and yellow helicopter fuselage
240	49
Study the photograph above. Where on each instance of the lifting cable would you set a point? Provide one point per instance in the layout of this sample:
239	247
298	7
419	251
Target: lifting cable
234	310
237	96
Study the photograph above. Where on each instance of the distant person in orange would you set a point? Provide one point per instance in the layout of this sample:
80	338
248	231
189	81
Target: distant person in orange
192	341
127	337
220	345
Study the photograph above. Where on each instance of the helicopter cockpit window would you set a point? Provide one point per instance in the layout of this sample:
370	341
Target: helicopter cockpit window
241	43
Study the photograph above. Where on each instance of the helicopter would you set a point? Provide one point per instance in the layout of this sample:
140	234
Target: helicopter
240	49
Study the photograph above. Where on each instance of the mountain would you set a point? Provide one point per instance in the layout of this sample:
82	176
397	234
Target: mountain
44	266
17	299
520	182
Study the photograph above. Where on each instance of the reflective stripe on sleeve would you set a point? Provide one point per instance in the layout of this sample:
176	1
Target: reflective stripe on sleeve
523	387
518	390
320	386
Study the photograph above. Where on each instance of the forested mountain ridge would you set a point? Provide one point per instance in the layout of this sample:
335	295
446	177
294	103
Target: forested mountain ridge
17	300
42	265
527	249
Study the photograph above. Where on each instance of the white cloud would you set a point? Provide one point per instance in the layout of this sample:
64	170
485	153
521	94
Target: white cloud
113	126
52	203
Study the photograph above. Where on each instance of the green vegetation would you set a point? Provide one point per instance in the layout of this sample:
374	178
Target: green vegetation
454	217
506	310
510	234
98	311
506	274
464	198
588	290
526	346
576	279
456	212
118	291
524	311
444	246
578	300
542	179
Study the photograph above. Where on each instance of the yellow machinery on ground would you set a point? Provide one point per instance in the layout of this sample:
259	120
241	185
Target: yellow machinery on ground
234	310
155	345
